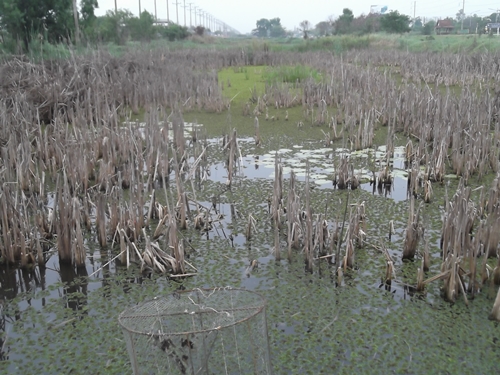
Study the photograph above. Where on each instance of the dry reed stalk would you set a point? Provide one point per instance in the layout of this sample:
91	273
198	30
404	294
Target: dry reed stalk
493	221
495	311
277	254
257	130
63	224
124	251
177	248
101	221
427	191
340	276
292	212
39	253
391	229
78	250
323	235
343	175
114	212
389	271
485	271
160	228
334	238
349	254
420	278
308	246
496	273
250	226
151	208
7	211
409	155
426	258
413	232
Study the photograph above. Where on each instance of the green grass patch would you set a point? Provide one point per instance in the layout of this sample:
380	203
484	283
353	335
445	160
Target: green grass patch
240	84
290	74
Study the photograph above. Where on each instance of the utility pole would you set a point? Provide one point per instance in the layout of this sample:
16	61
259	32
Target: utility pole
168	15
190	15
195	24
156	15
463	14
414	9
200	14
139	8
177	10
184	6
116	7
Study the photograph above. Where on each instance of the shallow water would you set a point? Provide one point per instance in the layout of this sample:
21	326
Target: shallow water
57	322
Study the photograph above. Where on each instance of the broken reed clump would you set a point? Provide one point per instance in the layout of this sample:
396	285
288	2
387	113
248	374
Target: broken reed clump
463	246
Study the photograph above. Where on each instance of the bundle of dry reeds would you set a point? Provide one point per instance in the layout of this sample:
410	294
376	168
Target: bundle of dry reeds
413	231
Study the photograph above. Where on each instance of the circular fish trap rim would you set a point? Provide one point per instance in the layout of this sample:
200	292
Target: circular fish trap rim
128	313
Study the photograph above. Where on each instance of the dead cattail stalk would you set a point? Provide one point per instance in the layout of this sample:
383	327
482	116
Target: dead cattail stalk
420	277
391	229
308	248
389	272
340	276
250	226
257	130
413	231
426	258
277	254
101	221
495	311
496	273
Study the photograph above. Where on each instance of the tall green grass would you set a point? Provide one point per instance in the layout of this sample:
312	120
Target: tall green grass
471	43
334	44
289	74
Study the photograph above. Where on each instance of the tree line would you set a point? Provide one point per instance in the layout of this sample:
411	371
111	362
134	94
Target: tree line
391	22
23	22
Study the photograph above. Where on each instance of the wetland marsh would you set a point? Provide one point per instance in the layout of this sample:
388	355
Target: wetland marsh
114	133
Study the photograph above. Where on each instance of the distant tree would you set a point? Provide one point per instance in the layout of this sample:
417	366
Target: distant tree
112	26
460	15
347	15
343	23
394	22
305	26
365	24
275	28
417	24
428	28
263	27
142	28
323	28
199	30
176	32
88	18
25	19
266	28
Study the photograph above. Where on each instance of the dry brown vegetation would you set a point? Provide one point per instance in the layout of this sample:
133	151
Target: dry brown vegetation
65	124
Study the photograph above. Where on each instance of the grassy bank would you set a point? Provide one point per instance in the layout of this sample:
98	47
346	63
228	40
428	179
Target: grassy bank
333	44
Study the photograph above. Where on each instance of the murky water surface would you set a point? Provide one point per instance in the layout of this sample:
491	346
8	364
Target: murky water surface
65	321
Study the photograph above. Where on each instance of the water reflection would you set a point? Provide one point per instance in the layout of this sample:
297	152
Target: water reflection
76	283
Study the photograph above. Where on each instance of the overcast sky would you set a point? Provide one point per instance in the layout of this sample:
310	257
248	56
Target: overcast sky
242	15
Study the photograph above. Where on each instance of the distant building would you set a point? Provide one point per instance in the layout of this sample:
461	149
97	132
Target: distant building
492	28
444	26
378	9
